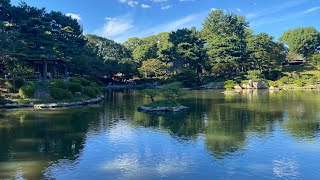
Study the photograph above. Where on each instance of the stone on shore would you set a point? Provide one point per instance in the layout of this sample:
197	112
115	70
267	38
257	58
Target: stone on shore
162	109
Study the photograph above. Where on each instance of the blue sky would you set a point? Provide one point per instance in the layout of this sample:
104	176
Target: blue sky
121	19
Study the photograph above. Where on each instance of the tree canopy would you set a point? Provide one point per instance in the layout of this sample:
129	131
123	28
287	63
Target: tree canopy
225	47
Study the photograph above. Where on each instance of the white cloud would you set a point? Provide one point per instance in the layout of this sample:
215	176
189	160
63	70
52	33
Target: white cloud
108	18
311	10
250	15
74	16
187	0
166	6
213	9
238	9
145	6
130	3
121	29
159	1
185	22
115	27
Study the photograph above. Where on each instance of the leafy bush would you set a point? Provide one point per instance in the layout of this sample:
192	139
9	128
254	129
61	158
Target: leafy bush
280	83
14	85
291	80
97	89
77	94
84	81
254	75
284	80
2	82
188	78
273	83
305	78
90	91
272	75
299	83
313	80
172	92
58	83
59	93
2	100
75	80
151	93
295	75
315	58
27	91
229	84
75	87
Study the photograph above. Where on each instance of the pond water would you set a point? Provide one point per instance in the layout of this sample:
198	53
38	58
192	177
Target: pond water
254	135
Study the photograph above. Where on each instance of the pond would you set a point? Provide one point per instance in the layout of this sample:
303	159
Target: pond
254	135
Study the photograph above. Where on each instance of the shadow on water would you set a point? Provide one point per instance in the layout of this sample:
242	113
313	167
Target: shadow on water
33	140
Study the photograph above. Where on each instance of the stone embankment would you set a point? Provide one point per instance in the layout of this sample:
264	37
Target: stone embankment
55	105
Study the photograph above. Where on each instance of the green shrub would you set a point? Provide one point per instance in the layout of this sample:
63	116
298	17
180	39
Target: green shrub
75	80
284	80
27	91
299	83
2	100
295	75
188	78
291	80
272	75
58	83
254	75
172	92
151	93
59	93
14	85
313	80
305	78
229	84
84	81
97	89
2	82
75	87
280	83
273	83
90	91
77	94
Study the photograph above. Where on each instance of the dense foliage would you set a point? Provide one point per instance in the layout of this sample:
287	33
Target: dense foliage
225	48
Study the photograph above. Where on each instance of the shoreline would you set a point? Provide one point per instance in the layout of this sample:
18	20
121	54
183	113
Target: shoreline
40	106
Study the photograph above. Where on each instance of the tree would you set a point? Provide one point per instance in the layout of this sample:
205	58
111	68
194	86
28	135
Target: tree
304	41
115	57
151	93
225	36
145	51
187	49
264	53
132	43
152	67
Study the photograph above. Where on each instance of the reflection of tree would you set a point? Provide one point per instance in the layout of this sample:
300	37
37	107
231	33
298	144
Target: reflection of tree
29	141
180	124
302	116
303	128
225	131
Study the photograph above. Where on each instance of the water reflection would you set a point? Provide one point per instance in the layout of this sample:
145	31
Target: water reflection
40	144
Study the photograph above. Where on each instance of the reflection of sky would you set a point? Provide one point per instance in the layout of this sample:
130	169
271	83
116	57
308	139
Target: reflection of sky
285	168
126	152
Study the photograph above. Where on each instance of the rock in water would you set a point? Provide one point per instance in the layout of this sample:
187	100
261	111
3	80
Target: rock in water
162	109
